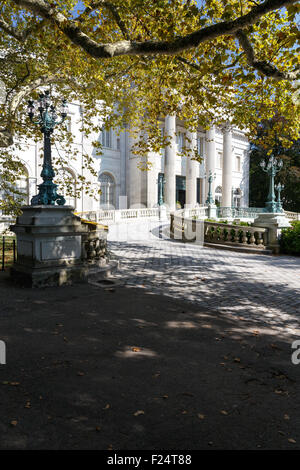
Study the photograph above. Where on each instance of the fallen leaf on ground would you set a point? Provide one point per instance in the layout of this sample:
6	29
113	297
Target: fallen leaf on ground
106	407
28	405
139	412
200	416
135	349
286	416
14	422
292	441
80	373
224	412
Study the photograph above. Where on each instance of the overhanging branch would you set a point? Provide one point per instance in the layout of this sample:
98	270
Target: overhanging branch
261	65
100	50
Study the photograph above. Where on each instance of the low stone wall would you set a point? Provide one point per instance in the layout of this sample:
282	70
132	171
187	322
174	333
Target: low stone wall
198	230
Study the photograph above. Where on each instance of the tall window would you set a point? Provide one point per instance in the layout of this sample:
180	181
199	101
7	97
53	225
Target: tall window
106	138
200	146
17	192
108	191
180	141
66	181
237	195
218	195
238	163
22	188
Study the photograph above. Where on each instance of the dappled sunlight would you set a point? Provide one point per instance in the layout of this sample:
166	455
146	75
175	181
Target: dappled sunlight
238	284
134	352
181	324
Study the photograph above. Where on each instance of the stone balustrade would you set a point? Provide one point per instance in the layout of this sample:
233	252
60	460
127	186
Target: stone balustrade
228	234
292	215
189	229
113	216
239	212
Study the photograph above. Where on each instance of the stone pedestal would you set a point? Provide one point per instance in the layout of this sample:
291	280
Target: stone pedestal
53	246
212	211
274	222
163	215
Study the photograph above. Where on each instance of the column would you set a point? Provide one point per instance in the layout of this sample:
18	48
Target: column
210	158
170	162
137	179
191	172
227	167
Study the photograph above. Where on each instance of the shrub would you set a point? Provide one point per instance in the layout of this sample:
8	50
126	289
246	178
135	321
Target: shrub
290	239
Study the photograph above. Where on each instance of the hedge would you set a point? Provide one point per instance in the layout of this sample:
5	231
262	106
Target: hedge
290	239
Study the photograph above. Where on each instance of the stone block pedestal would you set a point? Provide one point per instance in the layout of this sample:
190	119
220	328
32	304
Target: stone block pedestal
274	222
52	246
212	211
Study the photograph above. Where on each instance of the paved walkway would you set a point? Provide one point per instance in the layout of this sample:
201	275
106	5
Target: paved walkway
125	367
260	288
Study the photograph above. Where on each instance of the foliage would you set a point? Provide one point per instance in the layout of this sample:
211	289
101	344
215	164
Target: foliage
290	239
289	176
138	61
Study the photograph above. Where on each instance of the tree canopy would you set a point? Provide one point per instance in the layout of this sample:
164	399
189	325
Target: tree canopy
210	62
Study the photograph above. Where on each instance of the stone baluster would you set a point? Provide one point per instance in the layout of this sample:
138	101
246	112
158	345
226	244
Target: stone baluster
252	238
244	237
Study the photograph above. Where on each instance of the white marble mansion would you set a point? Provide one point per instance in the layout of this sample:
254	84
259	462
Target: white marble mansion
123	185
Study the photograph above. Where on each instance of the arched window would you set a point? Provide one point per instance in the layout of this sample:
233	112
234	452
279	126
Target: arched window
218	195
22	188
17	193
66	181
108	191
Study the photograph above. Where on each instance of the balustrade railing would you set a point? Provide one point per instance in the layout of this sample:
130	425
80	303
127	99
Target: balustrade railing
189	230
119	214
292	215
229	234
239	212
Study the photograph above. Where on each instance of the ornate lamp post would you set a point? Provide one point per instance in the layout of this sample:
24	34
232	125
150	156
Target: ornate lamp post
161	182
47	119
210	199
271	168
279	187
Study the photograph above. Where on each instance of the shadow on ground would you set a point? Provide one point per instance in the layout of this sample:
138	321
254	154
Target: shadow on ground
124	368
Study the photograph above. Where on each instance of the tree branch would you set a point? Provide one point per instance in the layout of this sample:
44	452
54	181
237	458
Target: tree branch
261	65
112	8
99	50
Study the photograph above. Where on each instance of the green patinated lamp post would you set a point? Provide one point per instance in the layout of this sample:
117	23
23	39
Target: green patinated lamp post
210	199
279	187
47	119
161	183
271	168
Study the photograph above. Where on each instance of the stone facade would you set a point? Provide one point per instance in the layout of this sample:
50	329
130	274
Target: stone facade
124	185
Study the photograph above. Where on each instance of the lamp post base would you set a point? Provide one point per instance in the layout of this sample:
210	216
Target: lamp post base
54	247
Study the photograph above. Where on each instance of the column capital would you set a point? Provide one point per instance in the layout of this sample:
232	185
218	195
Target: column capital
226	128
